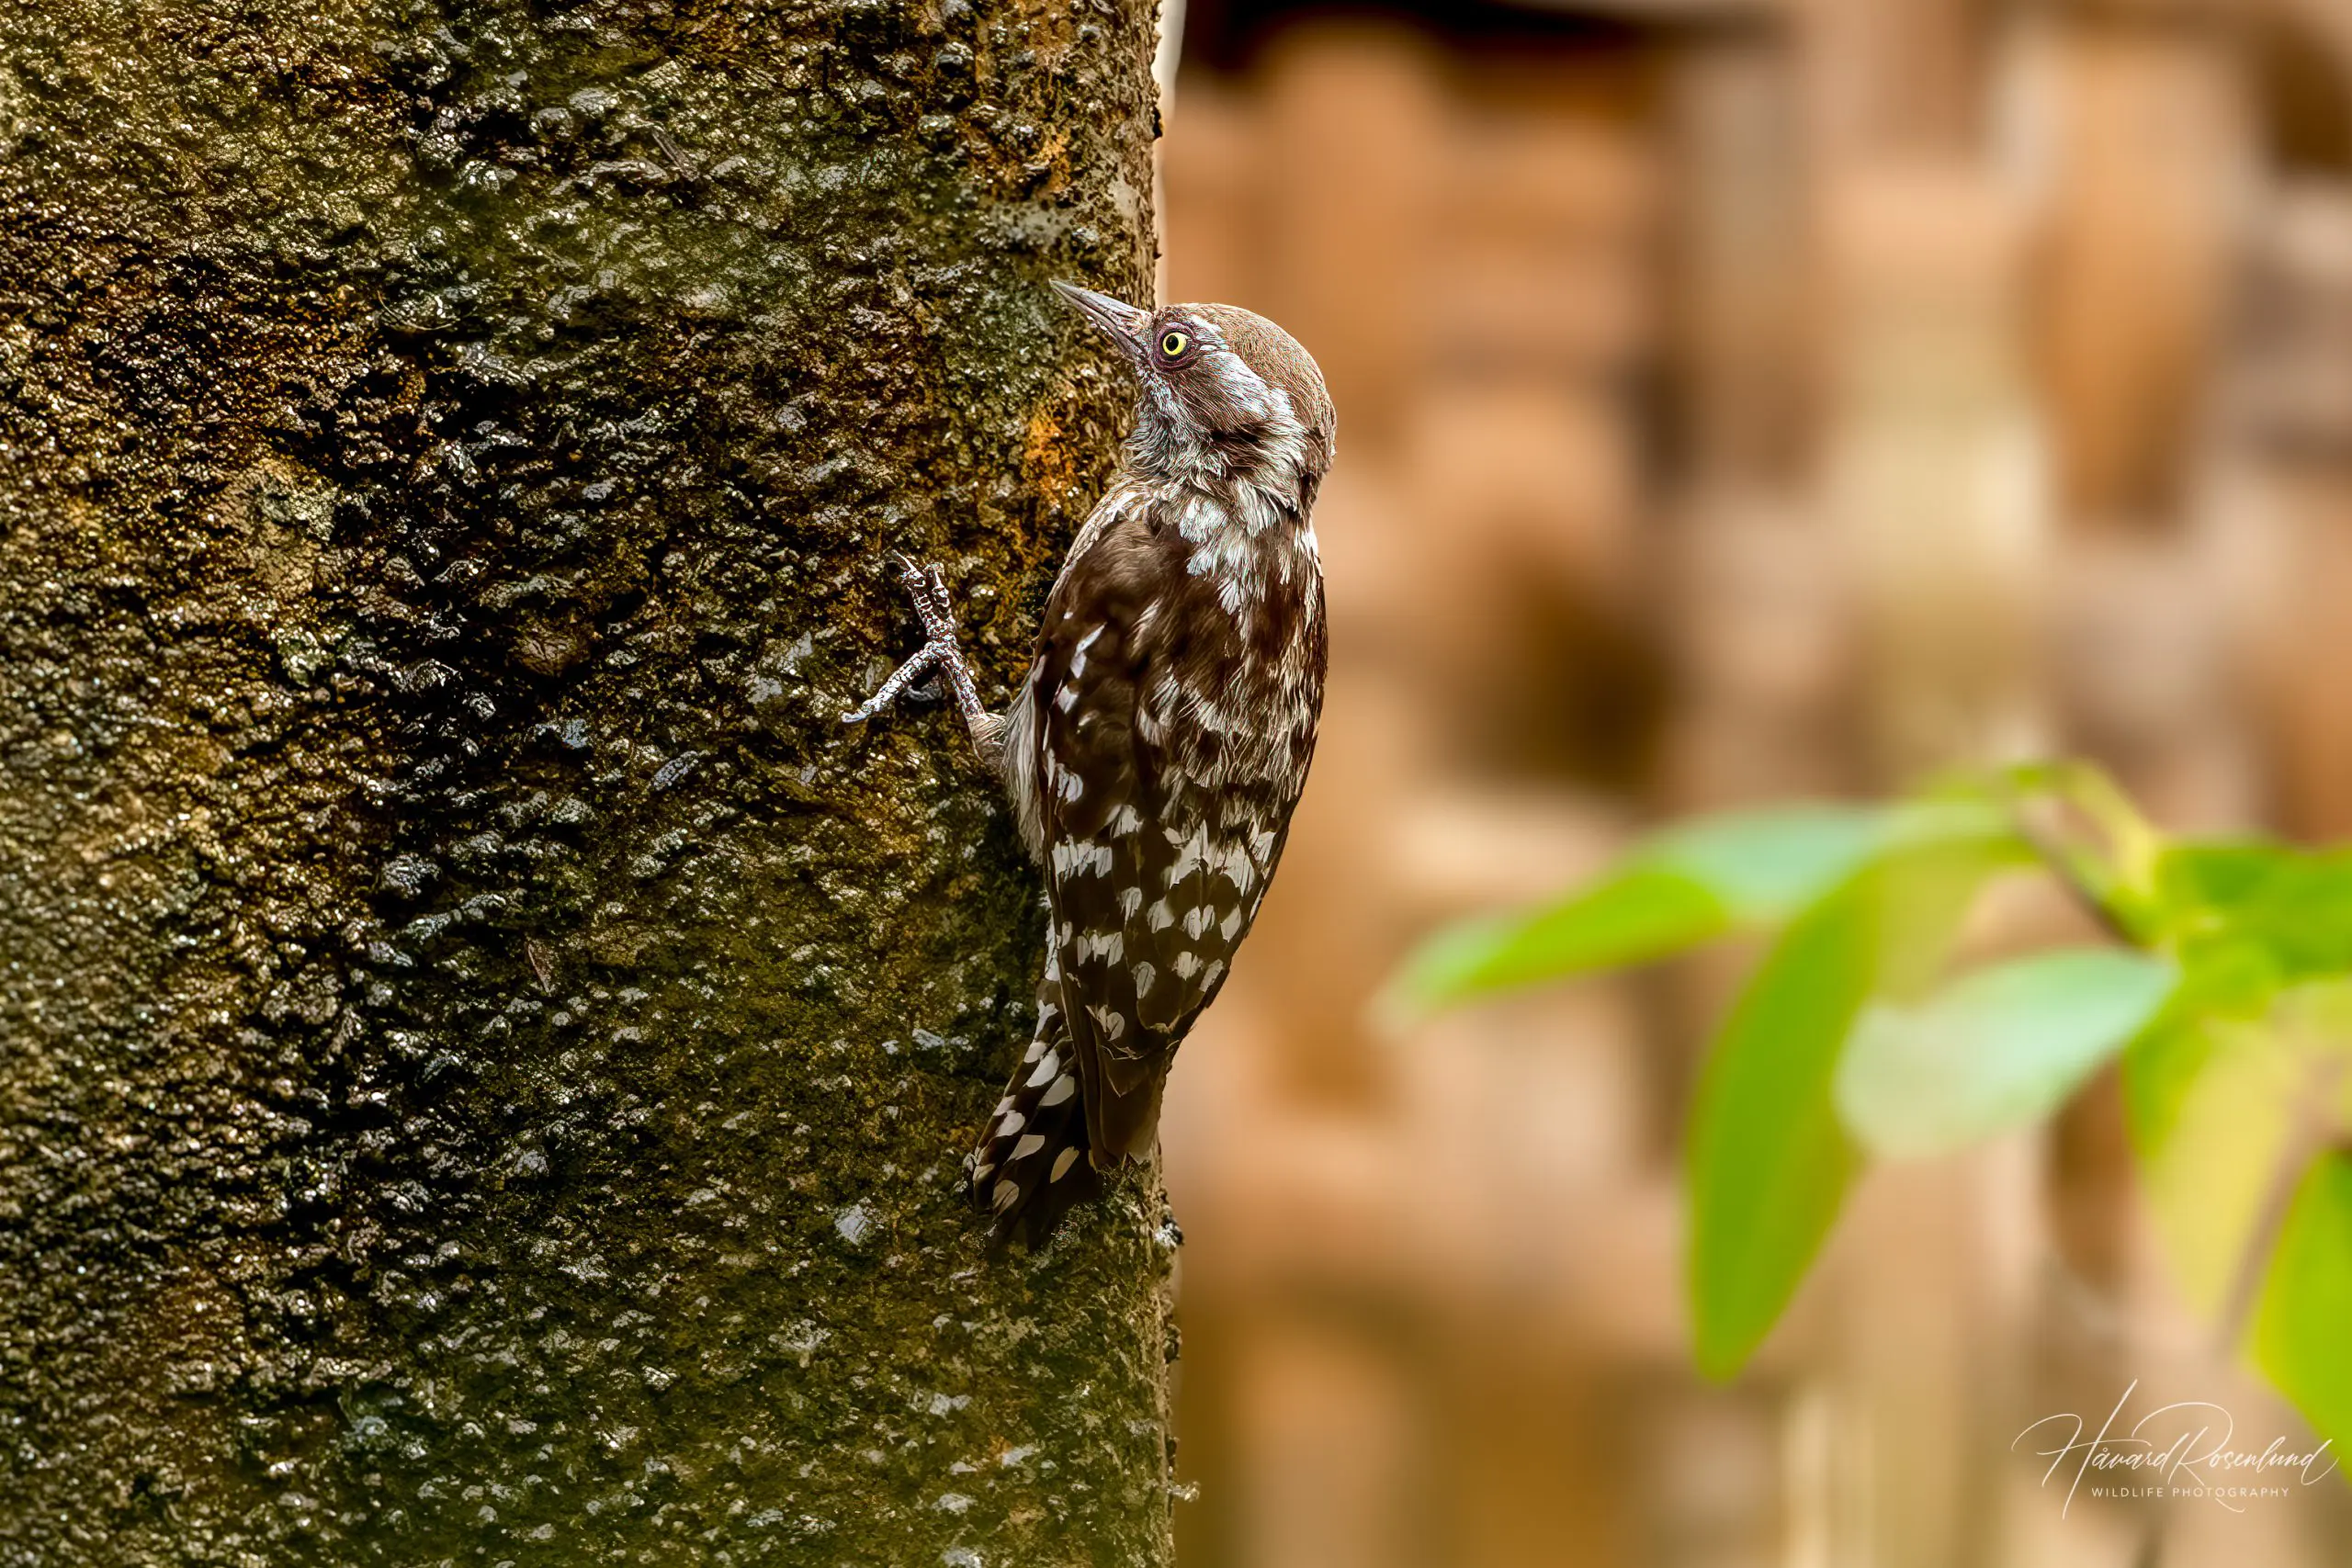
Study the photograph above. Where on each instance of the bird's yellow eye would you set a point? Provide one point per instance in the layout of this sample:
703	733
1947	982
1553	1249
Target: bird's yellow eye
1173	344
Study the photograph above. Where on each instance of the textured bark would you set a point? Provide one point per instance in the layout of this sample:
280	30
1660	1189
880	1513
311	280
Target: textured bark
484	1053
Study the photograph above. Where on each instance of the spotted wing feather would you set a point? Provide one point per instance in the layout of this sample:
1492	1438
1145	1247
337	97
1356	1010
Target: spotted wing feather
1155	857
1096	790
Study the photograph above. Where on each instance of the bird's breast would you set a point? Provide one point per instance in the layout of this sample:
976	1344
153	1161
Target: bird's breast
1238	689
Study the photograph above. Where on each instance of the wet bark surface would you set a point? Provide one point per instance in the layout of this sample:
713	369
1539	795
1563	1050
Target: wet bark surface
484	1053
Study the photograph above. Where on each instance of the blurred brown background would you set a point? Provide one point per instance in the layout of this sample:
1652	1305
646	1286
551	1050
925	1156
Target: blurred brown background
1739	400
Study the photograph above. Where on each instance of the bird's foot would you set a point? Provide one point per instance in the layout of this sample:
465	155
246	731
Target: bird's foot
940	650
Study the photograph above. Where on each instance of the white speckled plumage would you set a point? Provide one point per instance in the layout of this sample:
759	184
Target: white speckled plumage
1161	735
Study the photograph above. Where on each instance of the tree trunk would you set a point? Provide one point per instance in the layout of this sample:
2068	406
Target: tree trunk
484	1052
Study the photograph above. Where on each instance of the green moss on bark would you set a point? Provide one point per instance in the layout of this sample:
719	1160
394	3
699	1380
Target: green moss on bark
483	1053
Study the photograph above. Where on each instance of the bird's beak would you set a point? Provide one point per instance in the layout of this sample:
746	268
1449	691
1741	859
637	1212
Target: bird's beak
1122	322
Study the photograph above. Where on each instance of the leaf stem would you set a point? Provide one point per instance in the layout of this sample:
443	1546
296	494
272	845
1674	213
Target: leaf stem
2108	887
2074	877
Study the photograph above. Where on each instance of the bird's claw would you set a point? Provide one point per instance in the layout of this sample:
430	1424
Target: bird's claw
928	589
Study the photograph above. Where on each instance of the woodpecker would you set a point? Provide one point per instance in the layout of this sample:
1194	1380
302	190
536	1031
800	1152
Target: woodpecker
1160	737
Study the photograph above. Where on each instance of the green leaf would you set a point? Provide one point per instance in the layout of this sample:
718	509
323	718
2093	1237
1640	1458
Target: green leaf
1999	1048
2160	1067
1639	913
1687	885
2247	920
1768	1162
2217	1103
2213	1102
2198	875
2306	1303
2295	907
1764	865
2224	982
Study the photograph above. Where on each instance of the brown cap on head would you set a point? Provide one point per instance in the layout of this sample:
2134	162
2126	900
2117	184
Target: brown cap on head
1280	361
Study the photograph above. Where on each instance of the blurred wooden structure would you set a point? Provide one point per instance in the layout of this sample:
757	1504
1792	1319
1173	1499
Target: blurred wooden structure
1739	401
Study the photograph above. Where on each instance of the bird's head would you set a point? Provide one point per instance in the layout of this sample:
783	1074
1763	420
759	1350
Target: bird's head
1226	398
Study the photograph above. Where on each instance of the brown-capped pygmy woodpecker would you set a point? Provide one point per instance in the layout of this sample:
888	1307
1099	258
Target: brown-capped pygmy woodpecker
1161	736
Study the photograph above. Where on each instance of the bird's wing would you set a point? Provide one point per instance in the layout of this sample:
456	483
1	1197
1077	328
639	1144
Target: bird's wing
1098	815
1151	886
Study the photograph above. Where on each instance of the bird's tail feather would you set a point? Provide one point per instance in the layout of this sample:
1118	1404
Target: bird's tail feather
1030	1164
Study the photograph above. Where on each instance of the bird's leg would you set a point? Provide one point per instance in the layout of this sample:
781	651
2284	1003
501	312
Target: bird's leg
932	607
